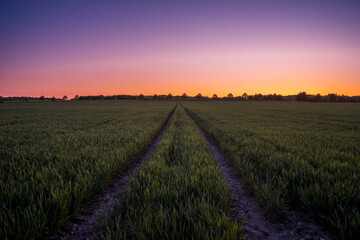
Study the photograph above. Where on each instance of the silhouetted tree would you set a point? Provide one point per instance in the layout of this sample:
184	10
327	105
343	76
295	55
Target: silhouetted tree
113	97
77	97
245	96
169	96
53	99
214	96
155	96
302	96
230	96
258	96
279	97
318	97
42	98
65	97
87	98
332	96
184	96
342	98
1	99
276	97
101	97
198	96
141	96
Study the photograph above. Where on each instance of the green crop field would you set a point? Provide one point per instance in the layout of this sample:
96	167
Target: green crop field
305	155
56	156
178	194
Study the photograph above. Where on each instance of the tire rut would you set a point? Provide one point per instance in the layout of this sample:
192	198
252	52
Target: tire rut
85	224
245	210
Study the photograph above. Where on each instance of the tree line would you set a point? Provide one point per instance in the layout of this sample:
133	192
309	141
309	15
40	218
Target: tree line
302	96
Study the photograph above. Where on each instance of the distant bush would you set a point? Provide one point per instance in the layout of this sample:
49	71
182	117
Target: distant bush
258	96
302	96
245	96
275	97
332	96
113	97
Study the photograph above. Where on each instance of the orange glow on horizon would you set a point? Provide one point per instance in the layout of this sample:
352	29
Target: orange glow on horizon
267	71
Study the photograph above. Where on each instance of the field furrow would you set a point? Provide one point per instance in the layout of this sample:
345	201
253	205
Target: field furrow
60	155
83	225
311	164
246	211
178	194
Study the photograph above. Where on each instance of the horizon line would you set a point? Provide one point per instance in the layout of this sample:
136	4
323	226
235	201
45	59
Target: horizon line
176	95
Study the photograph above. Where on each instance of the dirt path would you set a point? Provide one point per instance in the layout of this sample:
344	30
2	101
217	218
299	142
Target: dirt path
296	226
83	225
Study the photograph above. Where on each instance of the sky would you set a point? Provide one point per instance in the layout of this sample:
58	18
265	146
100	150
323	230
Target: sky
57	48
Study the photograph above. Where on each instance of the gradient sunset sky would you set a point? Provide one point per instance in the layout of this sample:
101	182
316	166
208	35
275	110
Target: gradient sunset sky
57	48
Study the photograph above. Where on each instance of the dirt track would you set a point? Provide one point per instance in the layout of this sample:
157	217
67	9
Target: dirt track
83	225
296	226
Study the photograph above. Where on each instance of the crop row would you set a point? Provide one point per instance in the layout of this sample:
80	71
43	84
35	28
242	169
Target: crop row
300	154
178	194
55	156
